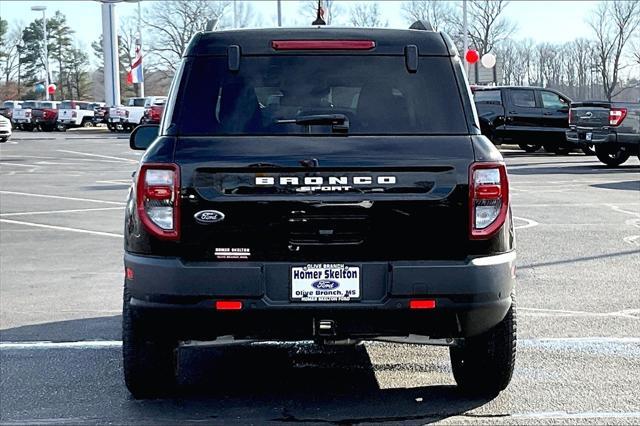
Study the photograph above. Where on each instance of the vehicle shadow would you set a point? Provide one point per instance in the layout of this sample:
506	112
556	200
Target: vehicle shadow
580	169
244	383
630	185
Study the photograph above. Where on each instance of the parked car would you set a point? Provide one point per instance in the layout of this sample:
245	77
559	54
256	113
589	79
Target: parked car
21	118
531	117
5	128
6	110
612	127
45	115
128	116
75	114
154	107
362	203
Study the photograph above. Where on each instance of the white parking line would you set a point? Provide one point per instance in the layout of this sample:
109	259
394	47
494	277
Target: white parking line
59	211
627	313
108	344
61	228
530	223
59	197
129	160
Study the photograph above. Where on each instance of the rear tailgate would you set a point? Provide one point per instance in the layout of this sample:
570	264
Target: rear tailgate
591	115
320	199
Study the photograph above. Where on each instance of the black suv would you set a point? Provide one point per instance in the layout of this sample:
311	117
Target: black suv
319	184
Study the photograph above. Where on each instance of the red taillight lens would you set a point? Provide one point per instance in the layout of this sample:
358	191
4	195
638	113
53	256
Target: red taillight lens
570	116
616	116
323	44
155	113
158	199
488	198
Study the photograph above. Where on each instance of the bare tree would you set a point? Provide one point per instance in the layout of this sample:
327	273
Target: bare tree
437	13
173	23
309	10
9	61
487	26
247	16
613	23
366	14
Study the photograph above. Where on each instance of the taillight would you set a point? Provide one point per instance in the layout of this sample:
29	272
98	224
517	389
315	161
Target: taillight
488	198
570	116
616	116
323	44
154	113
74	114
158	199
27	114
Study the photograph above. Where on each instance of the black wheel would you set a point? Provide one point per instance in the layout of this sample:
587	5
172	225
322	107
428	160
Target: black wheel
61	127
529	147
612	156
588	149
483	365
3	140
149	359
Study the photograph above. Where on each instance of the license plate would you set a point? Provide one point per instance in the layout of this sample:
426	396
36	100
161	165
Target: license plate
20	120
325	283
588	136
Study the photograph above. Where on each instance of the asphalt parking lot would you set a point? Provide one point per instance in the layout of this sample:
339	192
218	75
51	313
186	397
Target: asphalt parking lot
61	208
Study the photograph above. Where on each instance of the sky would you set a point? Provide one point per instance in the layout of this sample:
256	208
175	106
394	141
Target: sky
543	21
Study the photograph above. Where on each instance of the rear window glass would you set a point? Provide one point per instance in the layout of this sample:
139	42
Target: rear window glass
66	105
136	102
375	93
29	104
523	98
488	96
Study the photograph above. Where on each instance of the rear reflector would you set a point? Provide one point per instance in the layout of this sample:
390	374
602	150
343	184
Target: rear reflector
323	44
228	305
422	304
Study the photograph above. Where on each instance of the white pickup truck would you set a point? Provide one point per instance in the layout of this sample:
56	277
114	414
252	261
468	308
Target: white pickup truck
128	116
75	114
22	116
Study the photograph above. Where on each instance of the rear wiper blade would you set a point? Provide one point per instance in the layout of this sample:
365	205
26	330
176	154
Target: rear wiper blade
339	122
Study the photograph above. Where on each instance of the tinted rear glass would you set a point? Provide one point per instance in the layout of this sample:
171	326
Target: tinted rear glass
66	105
29	104
488	96
136	102
375	93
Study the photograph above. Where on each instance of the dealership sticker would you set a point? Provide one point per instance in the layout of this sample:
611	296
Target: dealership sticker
232	253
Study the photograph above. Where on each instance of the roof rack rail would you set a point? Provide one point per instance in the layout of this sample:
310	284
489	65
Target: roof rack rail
421	25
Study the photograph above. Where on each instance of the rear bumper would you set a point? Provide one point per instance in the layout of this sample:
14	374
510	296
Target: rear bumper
586	136
471	297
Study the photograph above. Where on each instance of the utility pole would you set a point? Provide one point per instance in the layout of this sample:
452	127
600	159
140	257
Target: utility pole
110	49
235	14
279	14
43	9
465	36
141	84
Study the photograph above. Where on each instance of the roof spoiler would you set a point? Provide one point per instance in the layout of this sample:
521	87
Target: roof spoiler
421	25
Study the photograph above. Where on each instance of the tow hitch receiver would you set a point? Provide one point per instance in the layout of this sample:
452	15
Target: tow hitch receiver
325	328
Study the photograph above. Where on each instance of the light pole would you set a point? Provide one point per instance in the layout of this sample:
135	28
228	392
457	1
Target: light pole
465	36
43	9
19	48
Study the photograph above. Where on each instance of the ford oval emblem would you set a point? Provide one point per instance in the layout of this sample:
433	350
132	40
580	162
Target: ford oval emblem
207	217
325	284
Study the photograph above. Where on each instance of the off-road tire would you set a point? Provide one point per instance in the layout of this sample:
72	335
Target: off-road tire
611	156
149	359
483	365
528	147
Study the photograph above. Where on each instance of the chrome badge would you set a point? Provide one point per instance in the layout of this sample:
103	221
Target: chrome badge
207	217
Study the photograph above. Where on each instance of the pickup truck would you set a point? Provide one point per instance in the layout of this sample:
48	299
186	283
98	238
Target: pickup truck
126	117
612	127
153	110
362	204
45	115
7	108
21	118
75	114
530	117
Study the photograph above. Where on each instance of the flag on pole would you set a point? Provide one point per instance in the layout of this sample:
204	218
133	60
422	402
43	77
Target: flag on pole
135	73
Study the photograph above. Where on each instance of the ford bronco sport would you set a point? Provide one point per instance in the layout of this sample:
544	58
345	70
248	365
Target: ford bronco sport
319	184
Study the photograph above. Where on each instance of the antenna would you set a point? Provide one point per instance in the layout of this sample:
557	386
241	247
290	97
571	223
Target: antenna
319	17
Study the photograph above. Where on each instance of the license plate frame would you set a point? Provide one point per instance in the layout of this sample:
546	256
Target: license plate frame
325	283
